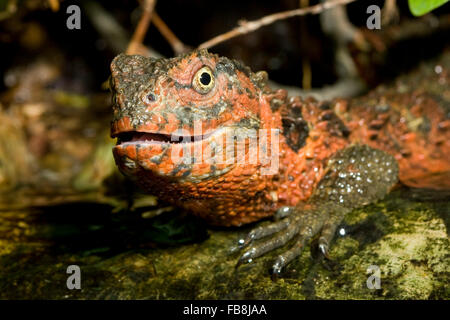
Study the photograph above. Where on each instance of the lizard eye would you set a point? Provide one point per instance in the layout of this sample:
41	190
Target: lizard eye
203	80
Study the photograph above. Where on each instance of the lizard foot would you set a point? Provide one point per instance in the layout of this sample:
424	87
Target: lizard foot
355	176
303	223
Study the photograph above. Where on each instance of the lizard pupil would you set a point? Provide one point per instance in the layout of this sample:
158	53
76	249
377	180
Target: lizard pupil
151	97
205	79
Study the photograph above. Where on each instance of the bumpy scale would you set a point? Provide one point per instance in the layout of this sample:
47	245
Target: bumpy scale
330	158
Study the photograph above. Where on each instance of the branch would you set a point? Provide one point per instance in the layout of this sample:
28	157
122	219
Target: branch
250	26
111	31
176	44
141	29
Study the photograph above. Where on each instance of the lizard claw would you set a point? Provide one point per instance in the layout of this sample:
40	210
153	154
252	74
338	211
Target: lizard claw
340	190
275	274
302	225
323	246
276	268
242	243
247	257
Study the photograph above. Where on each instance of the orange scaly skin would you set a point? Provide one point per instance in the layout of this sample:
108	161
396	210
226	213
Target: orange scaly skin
323	148
242	195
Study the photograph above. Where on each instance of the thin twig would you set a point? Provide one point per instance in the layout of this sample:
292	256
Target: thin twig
389	13
250	26
176	44
112	32
306	64
142	27
54	5
307	74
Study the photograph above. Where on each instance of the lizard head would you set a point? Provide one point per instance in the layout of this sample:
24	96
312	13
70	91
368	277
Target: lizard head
173	117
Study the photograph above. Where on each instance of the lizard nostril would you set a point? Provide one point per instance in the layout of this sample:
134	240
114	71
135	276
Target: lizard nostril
150	97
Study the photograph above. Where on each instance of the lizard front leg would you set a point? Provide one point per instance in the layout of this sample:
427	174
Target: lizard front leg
354	177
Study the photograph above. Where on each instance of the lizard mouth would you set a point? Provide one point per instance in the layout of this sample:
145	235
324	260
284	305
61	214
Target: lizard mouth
186	157
137	137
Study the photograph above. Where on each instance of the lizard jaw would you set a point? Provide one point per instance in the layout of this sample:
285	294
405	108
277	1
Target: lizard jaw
157	154
138	137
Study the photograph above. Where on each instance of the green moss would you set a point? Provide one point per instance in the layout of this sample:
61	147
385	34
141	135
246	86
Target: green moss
406	238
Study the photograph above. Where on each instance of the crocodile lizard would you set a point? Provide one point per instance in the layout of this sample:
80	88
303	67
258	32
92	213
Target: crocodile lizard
181	122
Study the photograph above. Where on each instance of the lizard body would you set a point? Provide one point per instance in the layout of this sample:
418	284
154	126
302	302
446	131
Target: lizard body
187	127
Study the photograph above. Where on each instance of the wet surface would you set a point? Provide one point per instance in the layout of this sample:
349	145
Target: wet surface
173	256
